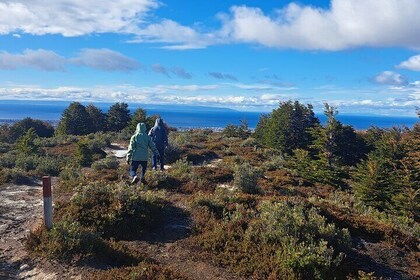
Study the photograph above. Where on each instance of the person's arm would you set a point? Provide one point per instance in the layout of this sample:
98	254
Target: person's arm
165	139
152	147
131	148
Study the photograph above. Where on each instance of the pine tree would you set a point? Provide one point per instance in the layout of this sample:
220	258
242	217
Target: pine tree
118	116
26	143
97	118
139	116
74	121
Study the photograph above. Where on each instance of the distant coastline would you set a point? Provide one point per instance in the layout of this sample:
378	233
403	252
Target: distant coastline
180	116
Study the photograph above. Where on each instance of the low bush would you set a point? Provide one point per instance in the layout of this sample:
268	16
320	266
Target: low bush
106	163
246	178
280	241
69	240
49	166
251	142
144	270
14	175
115	210
8	160
181	169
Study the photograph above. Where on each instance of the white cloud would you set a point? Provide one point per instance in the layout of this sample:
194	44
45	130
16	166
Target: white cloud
73	18
346	24
101	59
106	60
413	63
38	59
390	78
401	100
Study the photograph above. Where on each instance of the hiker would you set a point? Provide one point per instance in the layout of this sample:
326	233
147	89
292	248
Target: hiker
160	138
138	152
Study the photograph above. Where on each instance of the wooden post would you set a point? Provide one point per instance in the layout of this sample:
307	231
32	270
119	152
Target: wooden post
46	193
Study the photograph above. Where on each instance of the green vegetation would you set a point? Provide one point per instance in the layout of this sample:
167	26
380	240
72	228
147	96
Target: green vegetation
296	199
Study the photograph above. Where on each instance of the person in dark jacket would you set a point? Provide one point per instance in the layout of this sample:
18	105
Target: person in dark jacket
138	152
160	139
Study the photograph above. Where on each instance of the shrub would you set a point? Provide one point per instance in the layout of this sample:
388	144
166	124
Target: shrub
274	163
181	169
250	142
246	177
8	160
71	173
27	163
69	239
115	210
14	175
106	163
282	241
49	166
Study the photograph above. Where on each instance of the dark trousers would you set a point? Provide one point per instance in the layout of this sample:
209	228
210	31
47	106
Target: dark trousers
161	151
135	165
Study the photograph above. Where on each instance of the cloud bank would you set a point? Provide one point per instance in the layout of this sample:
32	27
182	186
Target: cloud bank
343	25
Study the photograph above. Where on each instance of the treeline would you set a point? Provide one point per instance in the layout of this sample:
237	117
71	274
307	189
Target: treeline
380	166
78	119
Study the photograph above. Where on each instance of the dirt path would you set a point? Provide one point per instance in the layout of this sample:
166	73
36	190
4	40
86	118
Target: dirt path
20	209
168	245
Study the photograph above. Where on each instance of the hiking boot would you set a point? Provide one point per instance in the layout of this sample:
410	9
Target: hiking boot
153	168
143	181
135	180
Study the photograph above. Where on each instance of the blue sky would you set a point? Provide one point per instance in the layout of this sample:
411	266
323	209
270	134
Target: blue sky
362	56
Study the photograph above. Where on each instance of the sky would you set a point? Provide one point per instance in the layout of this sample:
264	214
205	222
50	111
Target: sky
361	56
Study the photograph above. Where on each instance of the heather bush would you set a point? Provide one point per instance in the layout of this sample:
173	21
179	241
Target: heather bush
181	169
71	173
68	239
280	241
115	210
246	178
8	160
106	163
27	163
250	142
14	175
49	166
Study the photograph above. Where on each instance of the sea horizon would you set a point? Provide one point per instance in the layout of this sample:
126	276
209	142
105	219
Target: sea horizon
184	116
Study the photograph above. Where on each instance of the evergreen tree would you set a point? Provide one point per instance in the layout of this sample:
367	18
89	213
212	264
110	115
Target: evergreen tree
139	116
261	127
118	116
26	143
380	179
286	128
75	120
84	155
97	118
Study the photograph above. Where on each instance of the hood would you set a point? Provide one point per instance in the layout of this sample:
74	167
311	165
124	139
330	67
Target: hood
159	122
141	128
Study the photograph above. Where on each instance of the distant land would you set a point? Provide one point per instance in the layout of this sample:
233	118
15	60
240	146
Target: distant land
181	116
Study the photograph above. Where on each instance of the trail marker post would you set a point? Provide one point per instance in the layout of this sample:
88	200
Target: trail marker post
46	193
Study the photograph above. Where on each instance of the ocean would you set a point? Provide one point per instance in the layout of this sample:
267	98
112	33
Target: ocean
180	116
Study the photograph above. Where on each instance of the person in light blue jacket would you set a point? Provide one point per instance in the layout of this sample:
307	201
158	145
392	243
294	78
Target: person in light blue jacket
138	152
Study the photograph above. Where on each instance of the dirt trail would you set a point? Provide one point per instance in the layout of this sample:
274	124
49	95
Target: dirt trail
20	209
168	245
